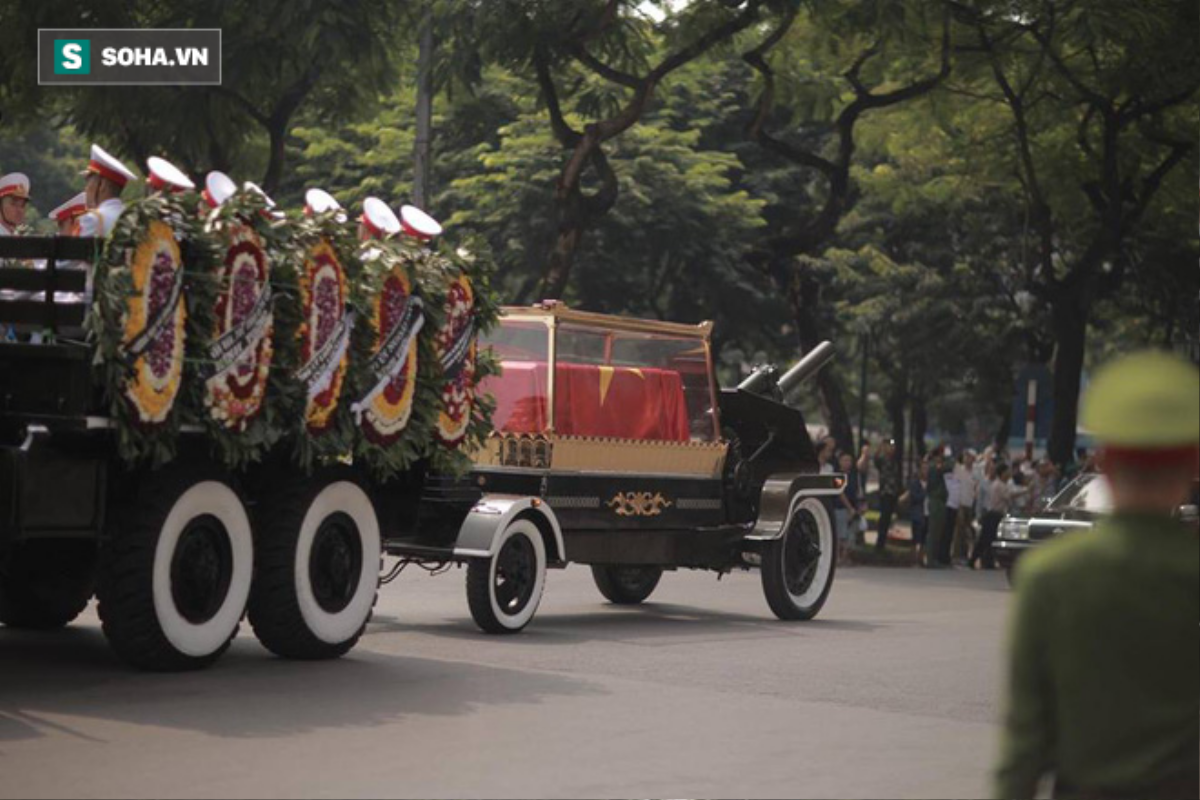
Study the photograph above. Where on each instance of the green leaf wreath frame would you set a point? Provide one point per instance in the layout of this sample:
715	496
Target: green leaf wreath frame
113	289
337	441
282	402
439	269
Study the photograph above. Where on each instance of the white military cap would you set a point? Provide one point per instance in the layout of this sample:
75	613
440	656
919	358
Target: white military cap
72	208
417	224
380	220
106	166
14	184
318	201
218	187
165	176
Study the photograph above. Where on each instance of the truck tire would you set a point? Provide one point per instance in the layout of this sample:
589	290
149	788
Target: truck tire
319	554
46	584
504	591
175	571
626	585
798	567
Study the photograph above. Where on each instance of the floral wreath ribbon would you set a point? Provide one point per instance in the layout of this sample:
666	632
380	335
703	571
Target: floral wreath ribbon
228	350
154	327
387	362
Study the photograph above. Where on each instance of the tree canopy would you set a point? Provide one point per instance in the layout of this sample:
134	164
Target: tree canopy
950	188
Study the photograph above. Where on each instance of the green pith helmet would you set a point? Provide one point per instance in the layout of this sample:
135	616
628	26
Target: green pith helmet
1149	399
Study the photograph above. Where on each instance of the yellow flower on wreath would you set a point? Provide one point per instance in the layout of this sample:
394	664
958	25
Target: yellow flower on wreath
154	395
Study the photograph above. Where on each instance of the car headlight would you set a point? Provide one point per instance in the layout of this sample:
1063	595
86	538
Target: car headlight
1014	529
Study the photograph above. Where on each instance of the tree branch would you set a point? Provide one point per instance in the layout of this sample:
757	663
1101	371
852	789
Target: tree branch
706	42
1152	182
756	130
1085	91
245	104
605	71
566	135
599	203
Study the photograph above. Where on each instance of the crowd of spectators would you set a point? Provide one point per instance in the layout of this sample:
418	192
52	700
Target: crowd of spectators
954	502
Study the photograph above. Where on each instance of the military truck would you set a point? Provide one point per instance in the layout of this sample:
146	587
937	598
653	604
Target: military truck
612	446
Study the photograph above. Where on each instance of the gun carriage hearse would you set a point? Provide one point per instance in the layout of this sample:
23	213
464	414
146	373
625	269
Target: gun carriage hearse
612	446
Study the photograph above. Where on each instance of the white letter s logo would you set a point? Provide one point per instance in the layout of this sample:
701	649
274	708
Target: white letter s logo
72	56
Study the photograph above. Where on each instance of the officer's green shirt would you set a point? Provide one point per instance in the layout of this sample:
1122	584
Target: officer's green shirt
1104	678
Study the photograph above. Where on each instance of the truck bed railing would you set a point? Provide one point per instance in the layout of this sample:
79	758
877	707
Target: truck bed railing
43	293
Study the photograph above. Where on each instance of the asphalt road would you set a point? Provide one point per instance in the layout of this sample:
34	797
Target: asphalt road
892	692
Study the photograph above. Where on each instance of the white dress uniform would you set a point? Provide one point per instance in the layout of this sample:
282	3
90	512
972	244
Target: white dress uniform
101	220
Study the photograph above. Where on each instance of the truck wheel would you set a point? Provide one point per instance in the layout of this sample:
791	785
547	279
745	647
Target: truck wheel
175	571
797	568
503	591
626	585
47	583
318	567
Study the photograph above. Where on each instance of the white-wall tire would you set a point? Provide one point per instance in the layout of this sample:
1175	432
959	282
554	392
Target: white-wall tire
798	568
318	578
176	571
500	602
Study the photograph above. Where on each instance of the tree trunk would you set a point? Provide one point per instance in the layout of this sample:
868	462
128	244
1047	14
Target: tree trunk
895	406
278	135
1070	330
422	147
920	424
804	295
1000	440
572	220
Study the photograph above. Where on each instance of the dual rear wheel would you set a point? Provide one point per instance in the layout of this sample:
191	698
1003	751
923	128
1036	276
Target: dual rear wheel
183	562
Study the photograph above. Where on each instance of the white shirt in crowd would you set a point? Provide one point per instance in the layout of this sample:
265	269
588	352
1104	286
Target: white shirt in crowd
1003	496
967	486
952	489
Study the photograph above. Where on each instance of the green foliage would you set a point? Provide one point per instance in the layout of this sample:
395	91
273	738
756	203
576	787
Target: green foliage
279	56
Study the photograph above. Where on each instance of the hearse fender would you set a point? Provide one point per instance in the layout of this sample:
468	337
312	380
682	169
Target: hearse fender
780	493
488	518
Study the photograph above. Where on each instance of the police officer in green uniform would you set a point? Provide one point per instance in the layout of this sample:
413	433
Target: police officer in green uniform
1104	669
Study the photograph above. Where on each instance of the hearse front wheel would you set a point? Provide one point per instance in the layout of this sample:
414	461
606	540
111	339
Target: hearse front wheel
797	568
626	585
503	591
318	566
175	570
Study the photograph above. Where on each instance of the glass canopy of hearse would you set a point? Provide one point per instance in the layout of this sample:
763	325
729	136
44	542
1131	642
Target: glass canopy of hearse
577	373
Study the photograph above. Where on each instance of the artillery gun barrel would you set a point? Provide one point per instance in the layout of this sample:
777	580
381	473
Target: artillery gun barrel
806	367
760	381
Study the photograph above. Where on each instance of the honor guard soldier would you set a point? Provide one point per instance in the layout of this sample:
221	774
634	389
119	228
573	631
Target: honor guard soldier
418	225
1104	671
106	178
14	196
378	221
66	216
166	177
